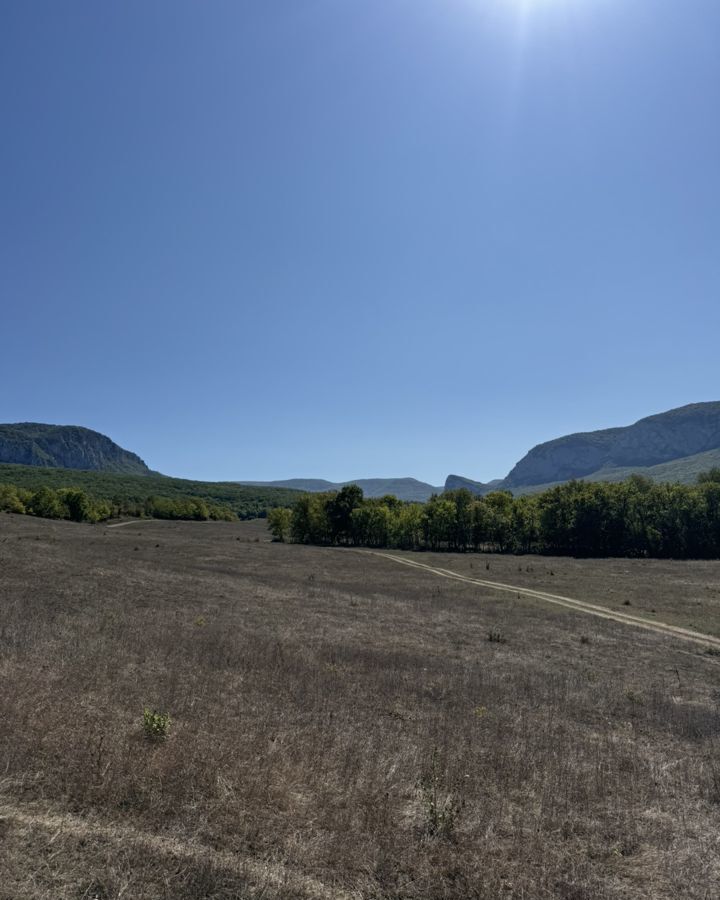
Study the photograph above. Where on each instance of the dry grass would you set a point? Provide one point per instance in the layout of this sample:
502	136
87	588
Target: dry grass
674	591
308	691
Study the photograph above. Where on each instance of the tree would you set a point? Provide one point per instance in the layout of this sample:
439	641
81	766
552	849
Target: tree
79	507
340	510
439	521
279	522
462	531
499	506
10	500
407	526
45	503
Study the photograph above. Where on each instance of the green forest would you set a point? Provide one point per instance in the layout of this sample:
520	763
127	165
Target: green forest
78	506
635	518
158	496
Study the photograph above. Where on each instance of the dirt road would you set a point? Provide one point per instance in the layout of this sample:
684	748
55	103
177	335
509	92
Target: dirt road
591	609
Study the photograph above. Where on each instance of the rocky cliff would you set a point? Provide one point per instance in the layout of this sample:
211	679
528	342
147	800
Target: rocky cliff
672	435
67	447
457	482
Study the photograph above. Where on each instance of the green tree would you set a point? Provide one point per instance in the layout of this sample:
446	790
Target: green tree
440	517
340	510
10	499
77	503
309	522
499	507
46	504
407	526
279	522
461	535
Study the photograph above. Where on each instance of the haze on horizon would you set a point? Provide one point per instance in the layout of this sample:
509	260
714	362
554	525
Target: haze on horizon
397	238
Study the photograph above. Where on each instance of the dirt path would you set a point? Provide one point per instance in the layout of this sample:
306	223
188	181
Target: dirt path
131	522
591	609
263	874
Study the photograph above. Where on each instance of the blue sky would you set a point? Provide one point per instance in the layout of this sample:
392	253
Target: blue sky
344	239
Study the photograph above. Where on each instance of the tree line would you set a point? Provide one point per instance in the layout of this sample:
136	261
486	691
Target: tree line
78	505
634	518
134	491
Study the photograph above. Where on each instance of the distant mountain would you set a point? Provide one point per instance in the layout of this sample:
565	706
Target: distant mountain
402	488
679	471
672	446
672	435
65	446
455	482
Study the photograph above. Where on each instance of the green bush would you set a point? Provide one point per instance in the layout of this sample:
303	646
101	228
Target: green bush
10	499
155	724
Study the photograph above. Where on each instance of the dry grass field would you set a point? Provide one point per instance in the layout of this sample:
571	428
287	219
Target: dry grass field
342	726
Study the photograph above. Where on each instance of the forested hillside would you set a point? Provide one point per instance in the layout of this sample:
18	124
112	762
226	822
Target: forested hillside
131	493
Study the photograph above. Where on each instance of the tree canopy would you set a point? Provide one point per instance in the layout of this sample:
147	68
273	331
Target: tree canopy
634	518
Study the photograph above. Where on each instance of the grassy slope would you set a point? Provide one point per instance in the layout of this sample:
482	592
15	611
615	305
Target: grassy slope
245	501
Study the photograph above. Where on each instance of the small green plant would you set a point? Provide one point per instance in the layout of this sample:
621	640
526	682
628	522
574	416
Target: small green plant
155	724
440	812
495	636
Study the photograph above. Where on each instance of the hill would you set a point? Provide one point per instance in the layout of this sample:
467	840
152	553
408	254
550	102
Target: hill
672	446
246	501
673	435
456	482
402	488
679	471
65	446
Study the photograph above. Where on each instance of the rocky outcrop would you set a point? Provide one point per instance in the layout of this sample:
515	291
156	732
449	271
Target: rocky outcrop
67	447
657	439
458	482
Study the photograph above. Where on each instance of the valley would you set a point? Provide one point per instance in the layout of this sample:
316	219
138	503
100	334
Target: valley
342	725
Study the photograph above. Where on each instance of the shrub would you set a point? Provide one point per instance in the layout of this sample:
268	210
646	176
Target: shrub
495	636
155	724
46	504
440	814
10	500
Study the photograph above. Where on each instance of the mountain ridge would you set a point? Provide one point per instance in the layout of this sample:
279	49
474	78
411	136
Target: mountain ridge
672	446
675	434
675	445
67	447
403	488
